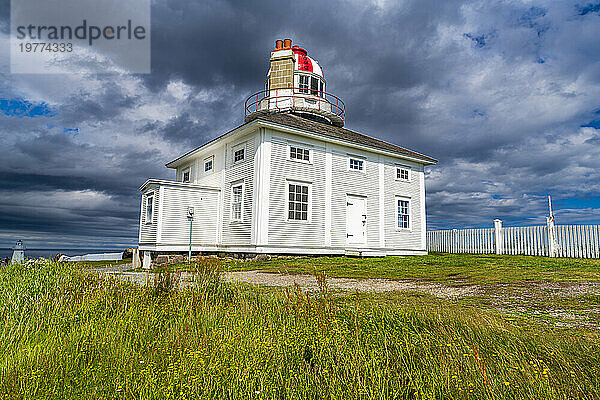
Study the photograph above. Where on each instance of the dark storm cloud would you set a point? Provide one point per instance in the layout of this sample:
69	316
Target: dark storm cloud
500	92
100	104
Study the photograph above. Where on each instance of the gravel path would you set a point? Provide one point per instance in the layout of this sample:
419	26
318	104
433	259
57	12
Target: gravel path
304	281
309	282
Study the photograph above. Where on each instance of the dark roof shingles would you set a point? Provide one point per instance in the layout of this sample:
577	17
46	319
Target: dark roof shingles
295	121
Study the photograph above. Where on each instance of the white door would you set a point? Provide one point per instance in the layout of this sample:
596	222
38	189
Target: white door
356	219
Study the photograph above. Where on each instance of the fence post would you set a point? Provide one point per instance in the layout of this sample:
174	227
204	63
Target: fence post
552	240
498	236
135	258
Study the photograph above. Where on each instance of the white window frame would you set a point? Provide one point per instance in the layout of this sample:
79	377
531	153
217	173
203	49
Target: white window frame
183	172
210	159
289	182
397	213
361	160
301	147
235	149
232	218
301	88
314	91
403	167
149	221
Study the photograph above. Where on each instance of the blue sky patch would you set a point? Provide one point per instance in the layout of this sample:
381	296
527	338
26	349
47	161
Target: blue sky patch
592	124
589	201
478	40
589	8
24	108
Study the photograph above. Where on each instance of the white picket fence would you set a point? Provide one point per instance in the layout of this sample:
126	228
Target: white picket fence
581	241
462	241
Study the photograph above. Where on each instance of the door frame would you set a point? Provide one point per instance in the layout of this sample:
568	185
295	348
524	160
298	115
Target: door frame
364	199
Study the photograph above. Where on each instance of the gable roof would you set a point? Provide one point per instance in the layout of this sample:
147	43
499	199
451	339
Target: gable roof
294	121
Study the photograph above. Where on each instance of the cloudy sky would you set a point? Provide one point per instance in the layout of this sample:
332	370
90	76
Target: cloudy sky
506	94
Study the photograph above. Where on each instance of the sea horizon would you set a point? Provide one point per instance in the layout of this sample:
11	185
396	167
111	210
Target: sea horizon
52	251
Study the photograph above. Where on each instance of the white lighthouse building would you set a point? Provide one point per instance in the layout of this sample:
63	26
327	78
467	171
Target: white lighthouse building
289	180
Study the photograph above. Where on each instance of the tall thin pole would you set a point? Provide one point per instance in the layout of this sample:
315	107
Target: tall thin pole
552	238
190	251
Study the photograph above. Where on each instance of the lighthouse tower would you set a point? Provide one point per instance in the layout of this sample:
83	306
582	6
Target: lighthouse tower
295	83
18	255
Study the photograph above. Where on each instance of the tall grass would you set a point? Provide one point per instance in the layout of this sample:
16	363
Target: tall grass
67	334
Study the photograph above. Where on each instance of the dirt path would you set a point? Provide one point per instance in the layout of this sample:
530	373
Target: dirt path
309	282
305	282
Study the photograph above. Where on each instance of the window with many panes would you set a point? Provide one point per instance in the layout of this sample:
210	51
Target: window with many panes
356	164
403	173
314	86
237	197
299	154
322	89
403	213
208	164
149	209
238	155
185	176
298	201
303	87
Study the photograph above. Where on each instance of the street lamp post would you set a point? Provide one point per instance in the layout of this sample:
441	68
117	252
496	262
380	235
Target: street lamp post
190	215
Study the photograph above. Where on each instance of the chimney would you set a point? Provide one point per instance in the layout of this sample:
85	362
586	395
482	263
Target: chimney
282	65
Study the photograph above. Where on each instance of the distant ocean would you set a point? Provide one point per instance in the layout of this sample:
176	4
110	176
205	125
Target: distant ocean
50	253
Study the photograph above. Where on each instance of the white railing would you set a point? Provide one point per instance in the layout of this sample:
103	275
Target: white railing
581	241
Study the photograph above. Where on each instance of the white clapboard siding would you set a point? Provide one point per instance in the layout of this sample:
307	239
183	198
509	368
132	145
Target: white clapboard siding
580	241
175	224
283	232
239	232
148	229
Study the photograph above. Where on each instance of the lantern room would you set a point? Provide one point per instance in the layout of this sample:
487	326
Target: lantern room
295	83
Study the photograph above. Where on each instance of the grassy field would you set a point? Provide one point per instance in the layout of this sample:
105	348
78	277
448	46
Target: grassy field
69	334
436	267
94	264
